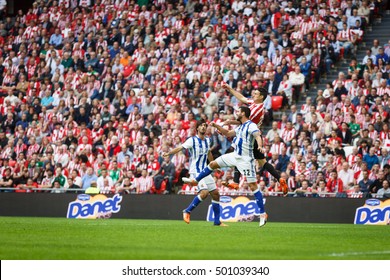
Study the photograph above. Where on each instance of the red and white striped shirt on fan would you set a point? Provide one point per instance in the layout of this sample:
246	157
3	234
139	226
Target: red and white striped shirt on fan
257	112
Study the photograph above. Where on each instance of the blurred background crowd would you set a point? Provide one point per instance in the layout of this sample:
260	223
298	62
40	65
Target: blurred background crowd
93	92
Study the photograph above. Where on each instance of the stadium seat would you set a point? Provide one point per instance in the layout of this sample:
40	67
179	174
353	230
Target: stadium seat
341	53
177	176
312	76
277	102
162	188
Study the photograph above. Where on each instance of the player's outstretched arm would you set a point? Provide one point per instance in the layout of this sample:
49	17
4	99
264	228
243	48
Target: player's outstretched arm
232	122
224	131
235	93
173	151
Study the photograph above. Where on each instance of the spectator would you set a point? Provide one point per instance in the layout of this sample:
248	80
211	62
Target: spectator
93	188
285	89
288	134
57	188
369	55
385	191
345	135
335	184
382	56
7	181
371	158
378	183
297	80
104	182
327	126
283	160
88	178
112	81
75	180
365	184
56	39
167	171
328	55
346	175
272	132
304	190
144	183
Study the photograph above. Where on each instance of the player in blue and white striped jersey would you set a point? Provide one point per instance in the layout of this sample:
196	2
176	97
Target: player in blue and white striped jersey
245	136
199	149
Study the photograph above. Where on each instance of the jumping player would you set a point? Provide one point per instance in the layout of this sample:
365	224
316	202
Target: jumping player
256	106
242	157
199	149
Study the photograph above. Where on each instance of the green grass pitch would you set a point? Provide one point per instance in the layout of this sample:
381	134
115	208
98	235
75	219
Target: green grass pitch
120	239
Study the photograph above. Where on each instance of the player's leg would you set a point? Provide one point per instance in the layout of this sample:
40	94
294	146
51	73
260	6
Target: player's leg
221	161
202	195
236	176
249	170
204	173
212	187
236	179
257	155
267	166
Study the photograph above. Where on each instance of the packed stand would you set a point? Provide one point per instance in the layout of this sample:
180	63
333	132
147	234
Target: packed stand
94	92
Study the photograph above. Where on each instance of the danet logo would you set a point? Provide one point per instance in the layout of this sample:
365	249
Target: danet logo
225	199
83	197
373	202
374	212
87	207
235	209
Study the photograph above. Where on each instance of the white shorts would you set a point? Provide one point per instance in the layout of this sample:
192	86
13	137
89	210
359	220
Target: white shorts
245	165
207	183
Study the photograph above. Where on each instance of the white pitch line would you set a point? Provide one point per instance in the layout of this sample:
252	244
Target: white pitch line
358	253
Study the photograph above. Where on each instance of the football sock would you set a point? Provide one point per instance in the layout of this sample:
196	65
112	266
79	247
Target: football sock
267	166
205	172
259	200
237	175
195	202
217	212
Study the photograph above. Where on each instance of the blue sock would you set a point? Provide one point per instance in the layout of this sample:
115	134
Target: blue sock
195	202
217	212
259	200
205	172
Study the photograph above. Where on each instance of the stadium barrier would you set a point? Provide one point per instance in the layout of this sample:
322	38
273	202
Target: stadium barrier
169	207
186	192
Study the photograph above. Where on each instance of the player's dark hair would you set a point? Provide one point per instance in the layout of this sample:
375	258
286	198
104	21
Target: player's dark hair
246	110
199	123
263	92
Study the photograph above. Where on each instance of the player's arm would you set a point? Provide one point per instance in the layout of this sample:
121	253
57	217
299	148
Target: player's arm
210	156
232	122
224	131
173	151
235	93
259	140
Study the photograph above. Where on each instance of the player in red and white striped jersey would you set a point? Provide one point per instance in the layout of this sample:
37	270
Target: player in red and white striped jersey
256	106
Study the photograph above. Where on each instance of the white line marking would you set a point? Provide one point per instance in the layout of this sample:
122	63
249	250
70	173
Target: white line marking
358	253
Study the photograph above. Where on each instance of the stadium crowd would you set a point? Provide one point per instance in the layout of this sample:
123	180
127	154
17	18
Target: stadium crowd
93	92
